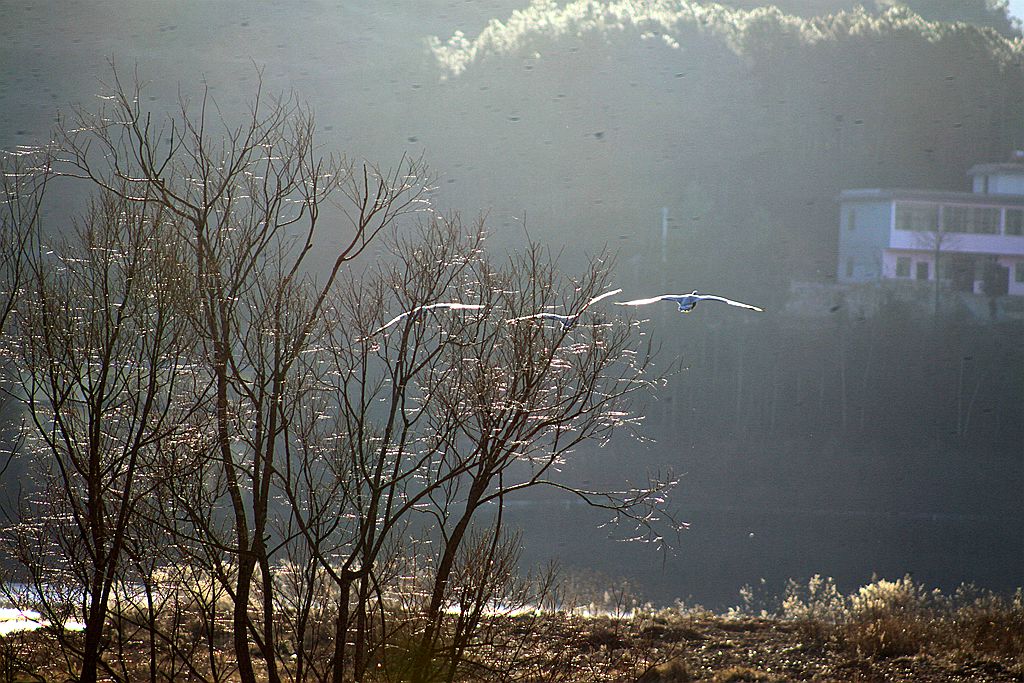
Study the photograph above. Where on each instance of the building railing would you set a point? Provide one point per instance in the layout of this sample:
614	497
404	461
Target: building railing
924	241
959	218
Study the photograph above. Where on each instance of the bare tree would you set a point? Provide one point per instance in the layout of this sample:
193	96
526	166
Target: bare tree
245	206
24	175
97	341
938	240
422	427
244	423
360	459
524	397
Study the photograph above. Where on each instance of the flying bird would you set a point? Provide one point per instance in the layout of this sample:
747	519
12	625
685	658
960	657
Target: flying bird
427	307
569	320
687	302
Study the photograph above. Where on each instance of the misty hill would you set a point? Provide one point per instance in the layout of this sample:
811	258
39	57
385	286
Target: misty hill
584	119
746	125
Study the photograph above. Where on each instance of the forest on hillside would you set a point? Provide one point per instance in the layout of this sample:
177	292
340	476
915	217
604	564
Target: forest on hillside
745	124
985	13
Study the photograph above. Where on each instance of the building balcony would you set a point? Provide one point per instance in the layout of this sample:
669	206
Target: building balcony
957	242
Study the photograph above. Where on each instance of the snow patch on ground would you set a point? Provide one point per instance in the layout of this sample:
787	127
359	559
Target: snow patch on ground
15	620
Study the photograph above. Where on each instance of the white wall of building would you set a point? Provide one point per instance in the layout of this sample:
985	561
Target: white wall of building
891	259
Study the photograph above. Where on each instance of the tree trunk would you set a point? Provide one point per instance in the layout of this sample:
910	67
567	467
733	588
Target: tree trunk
240	617
91	647
269	632
341	633
444	571
359	658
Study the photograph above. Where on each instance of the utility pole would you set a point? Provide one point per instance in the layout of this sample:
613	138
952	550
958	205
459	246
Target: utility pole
664	235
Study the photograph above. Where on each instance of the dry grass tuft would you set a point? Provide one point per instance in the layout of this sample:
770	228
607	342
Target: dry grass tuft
744	673
675	671
889	619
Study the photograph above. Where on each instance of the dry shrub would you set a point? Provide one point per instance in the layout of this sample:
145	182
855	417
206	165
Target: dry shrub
901	618
817	608
743	673
891	618
675	671
885	636
897	618
16	658
987	625
881	599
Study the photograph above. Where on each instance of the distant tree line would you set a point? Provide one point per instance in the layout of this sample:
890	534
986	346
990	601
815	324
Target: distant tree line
848	379
983	13
746	124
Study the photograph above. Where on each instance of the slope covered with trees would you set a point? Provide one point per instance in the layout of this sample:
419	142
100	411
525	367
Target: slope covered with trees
984	13
745	124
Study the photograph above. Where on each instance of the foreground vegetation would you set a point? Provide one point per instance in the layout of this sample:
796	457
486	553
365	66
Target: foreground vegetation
235	461
884	631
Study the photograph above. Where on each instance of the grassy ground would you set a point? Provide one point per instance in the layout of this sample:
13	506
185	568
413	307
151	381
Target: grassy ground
885	631
717	649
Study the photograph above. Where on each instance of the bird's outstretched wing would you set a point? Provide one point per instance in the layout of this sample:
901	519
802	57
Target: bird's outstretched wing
712	297
565	319
455	306
452	305
598	298
542	316
651	300
396	319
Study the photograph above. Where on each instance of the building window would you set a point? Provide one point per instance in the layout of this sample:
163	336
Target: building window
979	220
851	219
1018	272
1015	221
920	217
983	221
922	270
954	219
902	266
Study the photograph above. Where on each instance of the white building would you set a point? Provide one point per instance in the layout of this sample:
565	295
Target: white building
976	237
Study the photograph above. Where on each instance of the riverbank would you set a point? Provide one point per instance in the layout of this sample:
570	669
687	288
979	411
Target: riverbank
885	631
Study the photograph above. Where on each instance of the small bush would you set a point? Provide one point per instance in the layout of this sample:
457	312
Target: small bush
891	618
882	599
987	625
885	636
743	673
897	618
816	609
604	635
675	671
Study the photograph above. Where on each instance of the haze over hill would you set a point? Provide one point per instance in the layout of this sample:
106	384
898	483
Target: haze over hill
579	123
